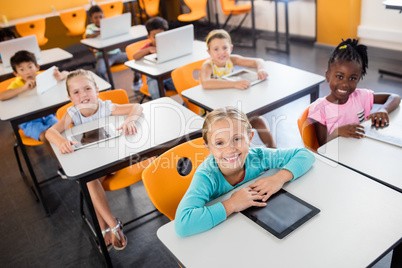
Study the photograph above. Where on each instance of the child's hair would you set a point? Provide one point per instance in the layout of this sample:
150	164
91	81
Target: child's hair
220	34
156	23
94	9
20	57
349	50
79	72
224	113
4	33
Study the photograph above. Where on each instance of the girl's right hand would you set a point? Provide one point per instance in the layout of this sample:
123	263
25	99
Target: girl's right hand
351	131
242	84
66	147
243	199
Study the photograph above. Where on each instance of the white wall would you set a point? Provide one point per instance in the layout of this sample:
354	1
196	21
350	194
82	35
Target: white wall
380	27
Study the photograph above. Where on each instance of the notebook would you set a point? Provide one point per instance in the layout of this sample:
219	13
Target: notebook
46	80
173	44
391	134
114	26
243	74
10	47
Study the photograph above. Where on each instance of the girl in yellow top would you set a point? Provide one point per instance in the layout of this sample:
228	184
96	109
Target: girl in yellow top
221	63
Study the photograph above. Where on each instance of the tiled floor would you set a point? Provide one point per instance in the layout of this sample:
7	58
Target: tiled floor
30	239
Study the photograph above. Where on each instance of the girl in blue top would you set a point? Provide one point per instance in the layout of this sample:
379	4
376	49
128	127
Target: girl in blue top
227	135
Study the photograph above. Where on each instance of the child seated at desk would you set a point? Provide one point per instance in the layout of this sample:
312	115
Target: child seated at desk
221	63
227	135
83	93
154	26
115	56
342	111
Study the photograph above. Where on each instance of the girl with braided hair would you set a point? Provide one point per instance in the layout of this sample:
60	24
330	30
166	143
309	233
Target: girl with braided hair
342	111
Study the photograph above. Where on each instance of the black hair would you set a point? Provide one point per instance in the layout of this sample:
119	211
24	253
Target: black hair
94	9
349	50
20	57
156	23
6	33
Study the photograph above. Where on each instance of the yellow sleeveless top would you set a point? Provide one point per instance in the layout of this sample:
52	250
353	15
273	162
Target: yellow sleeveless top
218	72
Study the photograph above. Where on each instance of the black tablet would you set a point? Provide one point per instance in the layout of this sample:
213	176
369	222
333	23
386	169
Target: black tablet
283	214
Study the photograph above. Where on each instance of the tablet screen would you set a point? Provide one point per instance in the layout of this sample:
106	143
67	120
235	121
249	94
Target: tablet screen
91	136
283	214
243	75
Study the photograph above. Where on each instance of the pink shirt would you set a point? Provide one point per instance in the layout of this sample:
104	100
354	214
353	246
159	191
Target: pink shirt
354	111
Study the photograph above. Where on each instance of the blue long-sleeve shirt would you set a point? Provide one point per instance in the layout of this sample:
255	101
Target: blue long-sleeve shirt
192	216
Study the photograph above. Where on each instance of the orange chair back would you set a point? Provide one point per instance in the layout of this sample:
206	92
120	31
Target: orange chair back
151	7
74	21
229	6
4	84
112	9
307	132
165	186
197	8
183	78
35	27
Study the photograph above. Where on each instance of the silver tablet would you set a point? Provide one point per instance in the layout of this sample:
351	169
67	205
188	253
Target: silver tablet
93	136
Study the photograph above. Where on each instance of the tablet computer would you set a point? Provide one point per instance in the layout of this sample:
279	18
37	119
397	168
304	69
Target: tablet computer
389	134
243	74
93	136
283	214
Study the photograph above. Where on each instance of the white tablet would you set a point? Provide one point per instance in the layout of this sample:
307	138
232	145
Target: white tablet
243	74
93	136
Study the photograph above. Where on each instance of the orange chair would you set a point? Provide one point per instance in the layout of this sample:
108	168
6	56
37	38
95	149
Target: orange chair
112	9
75	21
168	177
197	8
149	7
35	27
183	78
230	8
307	132
131	50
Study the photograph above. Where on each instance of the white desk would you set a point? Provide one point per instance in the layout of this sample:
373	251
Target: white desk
284	84
375	159
163	125
360	221
161	71
137	33
48	57
28	106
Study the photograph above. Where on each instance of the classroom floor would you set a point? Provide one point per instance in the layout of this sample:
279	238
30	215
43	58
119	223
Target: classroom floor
30	239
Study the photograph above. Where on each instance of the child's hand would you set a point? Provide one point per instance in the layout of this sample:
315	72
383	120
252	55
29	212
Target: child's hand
243	199
379	118
30	84
268	186
351	131
65	147
128	128
152	49
262	74
242	84
57	74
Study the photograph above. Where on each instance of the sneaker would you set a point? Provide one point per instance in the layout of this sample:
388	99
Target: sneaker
61	173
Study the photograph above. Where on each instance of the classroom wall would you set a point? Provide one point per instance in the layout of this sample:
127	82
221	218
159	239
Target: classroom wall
380	27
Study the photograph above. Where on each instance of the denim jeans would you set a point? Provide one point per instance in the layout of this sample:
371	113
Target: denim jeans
153	86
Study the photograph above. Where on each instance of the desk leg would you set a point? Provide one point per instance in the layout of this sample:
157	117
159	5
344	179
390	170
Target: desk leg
107	65
98	232
314	95
31	171
161	87
254	40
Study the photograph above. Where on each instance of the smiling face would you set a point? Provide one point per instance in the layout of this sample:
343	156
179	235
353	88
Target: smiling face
229	143
219	49
343	78
27	70
83	93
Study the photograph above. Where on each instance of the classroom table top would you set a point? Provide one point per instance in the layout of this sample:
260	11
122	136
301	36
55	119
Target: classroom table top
156	69
360	220
283	83
163	121
30	102
376	159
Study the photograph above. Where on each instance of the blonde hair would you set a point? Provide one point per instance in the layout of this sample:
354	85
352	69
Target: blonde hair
220	34
224	113
79	72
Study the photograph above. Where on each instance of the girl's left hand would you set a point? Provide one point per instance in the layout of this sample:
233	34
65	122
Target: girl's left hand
379	118
128	128
267	186
262	74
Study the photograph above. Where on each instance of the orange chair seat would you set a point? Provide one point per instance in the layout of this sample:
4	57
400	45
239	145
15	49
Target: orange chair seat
118	68
27	140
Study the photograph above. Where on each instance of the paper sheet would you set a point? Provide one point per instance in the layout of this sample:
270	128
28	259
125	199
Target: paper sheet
46	80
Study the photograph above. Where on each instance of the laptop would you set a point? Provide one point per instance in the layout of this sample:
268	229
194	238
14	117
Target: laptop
10	47
114	26
173	44
390	134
